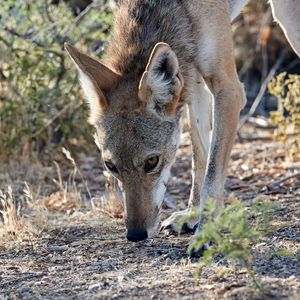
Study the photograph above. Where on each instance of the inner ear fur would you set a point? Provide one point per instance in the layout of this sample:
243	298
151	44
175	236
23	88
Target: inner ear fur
161	82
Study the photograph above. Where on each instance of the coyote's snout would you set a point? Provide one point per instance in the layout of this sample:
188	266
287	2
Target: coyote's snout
164	54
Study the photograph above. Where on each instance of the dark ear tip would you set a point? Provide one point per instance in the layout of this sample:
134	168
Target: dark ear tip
68	47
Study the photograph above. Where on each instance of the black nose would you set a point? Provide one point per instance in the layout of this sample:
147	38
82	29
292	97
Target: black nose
136	235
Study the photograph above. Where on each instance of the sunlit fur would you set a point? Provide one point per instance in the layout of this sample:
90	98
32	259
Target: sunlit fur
162	55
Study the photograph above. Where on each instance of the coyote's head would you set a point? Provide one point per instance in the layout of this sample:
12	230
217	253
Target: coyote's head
137	129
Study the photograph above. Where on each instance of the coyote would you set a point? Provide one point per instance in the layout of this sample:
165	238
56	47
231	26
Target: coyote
165	54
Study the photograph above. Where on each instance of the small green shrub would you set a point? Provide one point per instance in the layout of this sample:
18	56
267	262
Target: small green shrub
232	233
40	100
286	88
287	91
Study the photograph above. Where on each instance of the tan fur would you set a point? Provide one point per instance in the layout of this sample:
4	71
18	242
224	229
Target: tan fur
164	54
102	78
287	14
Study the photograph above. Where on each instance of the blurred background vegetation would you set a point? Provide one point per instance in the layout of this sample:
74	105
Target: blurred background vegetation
41	105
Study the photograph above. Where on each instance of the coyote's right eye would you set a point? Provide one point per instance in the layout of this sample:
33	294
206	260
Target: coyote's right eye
151	163
111	167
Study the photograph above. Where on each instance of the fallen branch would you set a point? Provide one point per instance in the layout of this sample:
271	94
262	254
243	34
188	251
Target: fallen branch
286	178
262	90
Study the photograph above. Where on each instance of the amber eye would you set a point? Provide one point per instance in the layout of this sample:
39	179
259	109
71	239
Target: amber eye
151	163
111	167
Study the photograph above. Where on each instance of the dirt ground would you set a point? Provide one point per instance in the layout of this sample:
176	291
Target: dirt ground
82	253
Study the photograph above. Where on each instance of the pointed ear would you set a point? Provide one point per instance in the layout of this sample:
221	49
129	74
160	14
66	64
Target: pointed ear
161	84
95	79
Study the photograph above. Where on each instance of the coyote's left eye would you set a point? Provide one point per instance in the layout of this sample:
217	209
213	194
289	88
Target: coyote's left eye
111	167
151	163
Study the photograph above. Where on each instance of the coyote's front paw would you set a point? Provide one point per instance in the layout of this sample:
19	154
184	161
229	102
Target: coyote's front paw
193	250
199	252
172	224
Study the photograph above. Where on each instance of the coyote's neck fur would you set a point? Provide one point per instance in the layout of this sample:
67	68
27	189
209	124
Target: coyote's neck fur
139	25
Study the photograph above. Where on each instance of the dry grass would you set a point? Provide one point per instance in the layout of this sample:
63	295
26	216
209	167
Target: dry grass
20	221
111	201
32	216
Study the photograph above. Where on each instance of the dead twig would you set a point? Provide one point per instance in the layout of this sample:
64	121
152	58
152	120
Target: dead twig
286	178
79	18
50	121
60	113
25	278
262	89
